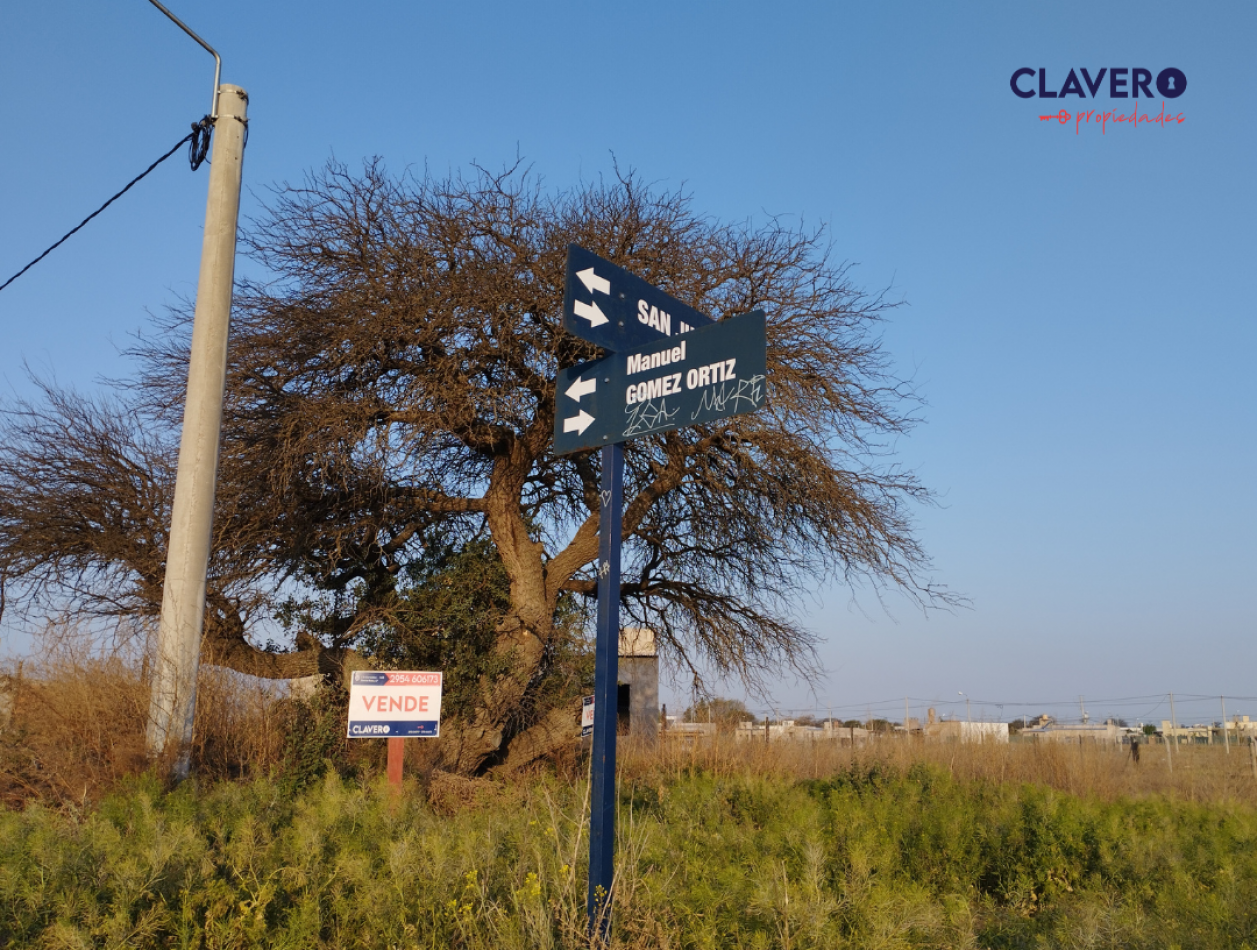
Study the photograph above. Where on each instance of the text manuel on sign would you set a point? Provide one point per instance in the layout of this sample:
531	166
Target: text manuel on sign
395	704
711	373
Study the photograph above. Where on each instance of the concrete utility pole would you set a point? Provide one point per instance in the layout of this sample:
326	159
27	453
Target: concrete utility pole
1225	738
173	701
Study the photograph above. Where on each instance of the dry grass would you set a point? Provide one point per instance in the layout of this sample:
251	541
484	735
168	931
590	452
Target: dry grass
76	719
1200	773
77	714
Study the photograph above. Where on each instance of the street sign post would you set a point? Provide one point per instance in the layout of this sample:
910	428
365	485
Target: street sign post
617	310
707	374
667	366
606	675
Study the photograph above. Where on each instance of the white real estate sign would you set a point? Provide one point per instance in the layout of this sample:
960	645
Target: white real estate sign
587	717
394	704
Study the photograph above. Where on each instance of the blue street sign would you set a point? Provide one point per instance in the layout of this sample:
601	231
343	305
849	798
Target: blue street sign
668	366
611	308
704	375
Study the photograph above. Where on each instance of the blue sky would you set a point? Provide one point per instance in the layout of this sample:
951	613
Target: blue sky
1078	307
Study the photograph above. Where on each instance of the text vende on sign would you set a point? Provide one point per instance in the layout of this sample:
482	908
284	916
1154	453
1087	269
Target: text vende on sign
395	704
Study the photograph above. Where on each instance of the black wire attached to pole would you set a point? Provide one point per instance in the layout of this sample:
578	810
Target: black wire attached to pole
198	142
198	147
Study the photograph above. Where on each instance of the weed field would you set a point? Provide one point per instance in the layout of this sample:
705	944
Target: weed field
716	850
289	838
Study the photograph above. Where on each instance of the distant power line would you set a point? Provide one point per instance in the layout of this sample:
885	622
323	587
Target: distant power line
1150	701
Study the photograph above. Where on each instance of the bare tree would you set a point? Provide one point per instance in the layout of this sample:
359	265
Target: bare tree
395	379
726	713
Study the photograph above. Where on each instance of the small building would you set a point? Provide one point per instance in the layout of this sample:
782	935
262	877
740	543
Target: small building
637	699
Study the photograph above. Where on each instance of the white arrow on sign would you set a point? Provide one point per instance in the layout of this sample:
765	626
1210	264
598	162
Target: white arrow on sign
593	282
578	423
582	387
590	312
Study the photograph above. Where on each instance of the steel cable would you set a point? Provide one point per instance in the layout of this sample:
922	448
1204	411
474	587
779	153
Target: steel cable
198	147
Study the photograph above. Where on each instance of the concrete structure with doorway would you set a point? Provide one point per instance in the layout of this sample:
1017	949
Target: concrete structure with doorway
637	706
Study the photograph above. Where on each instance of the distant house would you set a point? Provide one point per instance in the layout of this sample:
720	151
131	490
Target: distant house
790	730
1239	729
1049	729
1195	733
954	730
